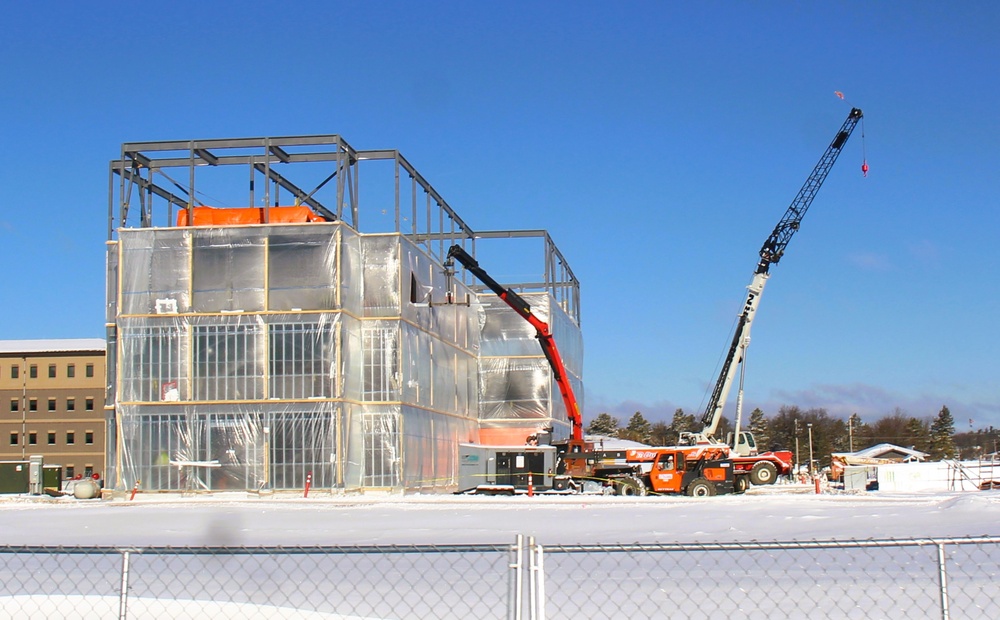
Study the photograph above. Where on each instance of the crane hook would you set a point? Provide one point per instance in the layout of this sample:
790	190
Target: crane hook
864	168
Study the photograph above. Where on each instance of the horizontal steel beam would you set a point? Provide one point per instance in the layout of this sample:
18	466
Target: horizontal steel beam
239	143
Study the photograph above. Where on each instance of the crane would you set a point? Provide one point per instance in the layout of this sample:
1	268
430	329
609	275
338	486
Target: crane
545	339
770	253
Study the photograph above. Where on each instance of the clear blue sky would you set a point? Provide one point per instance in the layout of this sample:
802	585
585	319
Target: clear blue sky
658	142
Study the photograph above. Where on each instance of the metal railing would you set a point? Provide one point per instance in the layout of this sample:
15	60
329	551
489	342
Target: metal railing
914	578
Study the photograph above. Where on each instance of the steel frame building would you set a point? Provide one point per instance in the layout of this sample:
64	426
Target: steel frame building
257	356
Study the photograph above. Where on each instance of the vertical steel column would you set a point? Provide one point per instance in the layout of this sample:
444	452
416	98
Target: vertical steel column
943	581
395	168
413	199
267	181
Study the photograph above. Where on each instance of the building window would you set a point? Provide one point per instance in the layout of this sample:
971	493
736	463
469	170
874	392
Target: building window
70	438
90	404
15	372
380	363
70	371
301	356
70	472
13	439
33	371
88	471
52	371
15	404
32	438
90	370
52	404
52	438
88	438
70	404
32	404
225	365
154	365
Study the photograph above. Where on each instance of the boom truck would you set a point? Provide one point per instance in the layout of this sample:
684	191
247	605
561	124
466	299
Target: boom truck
764	467
574	465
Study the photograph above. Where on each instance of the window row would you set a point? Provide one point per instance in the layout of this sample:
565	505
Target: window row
88	404
15	371
32	438
69	472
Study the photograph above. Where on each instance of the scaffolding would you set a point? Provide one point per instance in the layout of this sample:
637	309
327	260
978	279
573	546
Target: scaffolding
293	342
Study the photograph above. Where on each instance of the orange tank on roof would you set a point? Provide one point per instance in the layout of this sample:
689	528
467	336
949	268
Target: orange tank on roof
212	216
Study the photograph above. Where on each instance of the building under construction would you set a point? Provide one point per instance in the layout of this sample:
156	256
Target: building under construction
278	315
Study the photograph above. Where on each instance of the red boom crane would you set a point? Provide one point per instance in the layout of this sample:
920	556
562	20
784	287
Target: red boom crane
545	339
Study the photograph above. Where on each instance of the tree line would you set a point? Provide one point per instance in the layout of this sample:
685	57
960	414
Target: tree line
791	427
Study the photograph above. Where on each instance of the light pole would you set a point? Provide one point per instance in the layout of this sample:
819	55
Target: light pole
810	427
798	463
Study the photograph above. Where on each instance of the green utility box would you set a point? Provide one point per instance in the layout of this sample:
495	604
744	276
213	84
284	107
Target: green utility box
52	477
13	476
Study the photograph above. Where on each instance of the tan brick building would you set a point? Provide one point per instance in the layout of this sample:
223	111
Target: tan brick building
52	403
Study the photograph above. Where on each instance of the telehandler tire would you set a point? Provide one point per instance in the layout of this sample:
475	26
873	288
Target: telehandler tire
763	473
630	487
700	487
741	483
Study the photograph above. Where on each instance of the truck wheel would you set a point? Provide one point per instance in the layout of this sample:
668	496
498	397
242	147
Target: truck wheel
763	473
741	483
628	486
701	488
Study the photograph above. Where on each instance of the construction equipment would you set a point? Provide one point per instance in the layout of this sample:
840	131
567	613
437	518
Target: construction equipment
545	339
766	465
578	466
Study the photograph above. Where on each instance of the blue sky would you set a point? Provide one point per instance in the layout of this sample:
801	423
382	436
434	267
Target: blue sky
659	143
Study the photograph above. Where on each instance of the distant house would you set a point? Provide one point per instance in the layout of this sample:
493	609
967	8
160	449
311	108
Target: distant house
890	452
881	454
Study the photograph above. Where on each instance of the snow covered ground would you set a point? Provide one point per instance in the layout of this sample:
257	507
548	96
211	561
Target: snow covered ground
780	512
882	582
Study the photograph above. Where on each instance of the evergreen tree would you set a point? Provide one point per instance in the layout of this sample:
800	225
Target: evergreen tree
682	423
759	427
942	441
603	424
638	429
919	434
660	434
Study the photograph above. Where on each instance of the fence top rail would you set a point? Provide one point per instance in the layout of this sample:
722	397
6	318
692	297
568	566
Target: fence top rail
255	550
768	546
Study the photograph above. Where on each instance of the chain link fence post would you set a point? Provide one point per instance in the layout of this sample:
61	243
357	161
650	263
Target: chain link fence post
515	587
123	594
537	577
943	580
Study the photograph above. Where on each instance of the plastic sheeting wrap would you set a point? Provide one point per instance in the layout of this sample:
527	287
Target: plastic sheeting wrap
516	382
251	357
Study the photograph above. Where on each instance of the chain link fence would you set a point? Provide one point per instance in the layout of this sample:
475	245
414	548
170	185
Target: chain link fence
917	578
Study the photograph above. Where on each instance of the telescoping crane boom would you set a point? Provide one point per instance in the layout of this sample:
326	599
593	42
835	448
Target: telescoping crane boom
545	339
770	253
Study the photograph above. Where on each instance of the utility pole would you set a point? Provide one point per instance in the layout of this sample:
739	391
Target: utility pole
810	427
850	433
797	461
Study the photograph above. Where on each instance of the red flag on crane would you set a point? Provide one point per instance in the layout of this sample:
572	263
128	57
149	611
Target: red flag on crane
838	93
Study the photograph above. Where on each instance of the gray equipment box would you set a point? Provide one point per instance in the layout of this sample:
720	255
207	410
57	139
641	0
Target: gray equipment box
505	469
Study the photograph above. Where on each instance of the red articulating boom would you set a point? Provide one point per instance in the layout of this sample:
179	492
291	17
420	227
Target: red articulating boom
545	338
